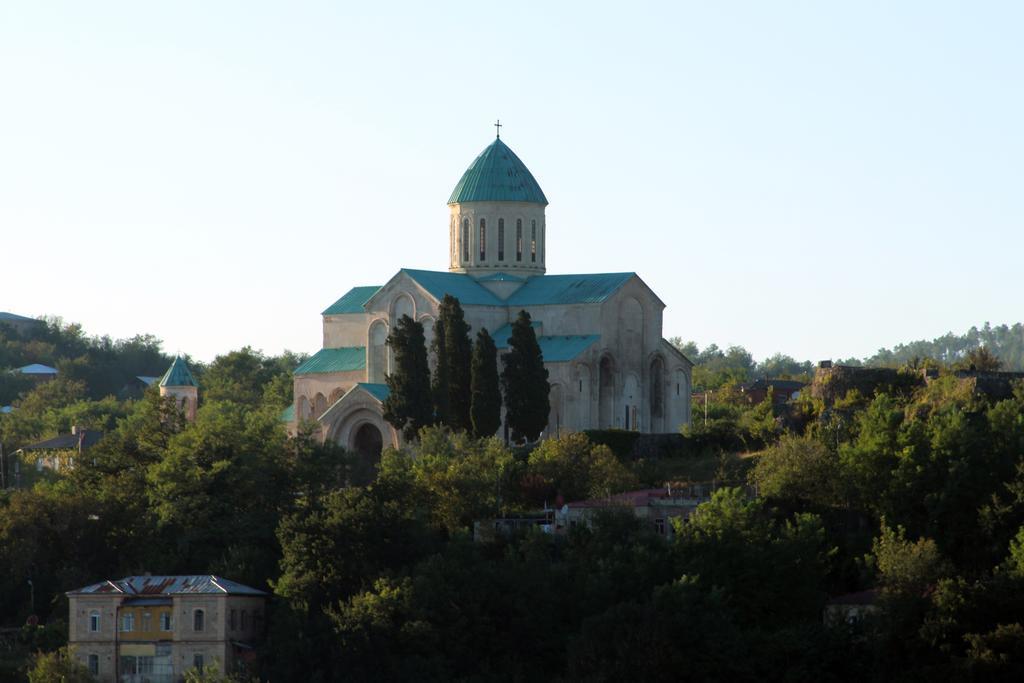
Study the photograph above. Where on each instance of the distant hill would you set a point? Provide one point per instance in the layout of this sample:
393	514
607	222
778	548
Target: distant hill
1004	342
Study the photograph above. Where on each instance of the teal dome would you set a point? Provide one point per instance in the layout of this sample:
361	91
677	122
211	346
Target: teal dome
497	175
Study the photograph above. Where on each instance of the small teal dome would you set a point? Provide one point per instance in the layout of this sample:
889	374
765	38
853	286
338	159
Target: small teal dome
497	175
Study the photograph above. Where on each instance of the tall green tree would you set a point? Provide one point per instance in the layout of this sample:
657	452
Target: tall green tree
485	408
455	364
525	382
409	406
439	385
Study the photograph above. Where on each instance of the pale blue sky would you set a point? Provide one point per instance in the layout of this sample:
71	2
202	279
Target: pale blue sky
815	178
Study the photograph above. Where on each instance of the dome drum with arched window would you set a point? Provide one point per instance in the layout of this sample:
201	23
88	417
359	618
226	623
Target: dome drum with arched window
497	217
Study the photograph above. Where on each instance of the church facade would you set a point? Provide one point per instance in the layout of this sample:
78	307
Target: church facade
601	334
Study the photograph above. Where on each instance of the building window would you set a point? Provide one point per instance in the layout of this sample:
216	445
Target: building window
483	239
659	526
519	239
231	619
165	621
501	239
147	621
94	664
94	621
128	622
197	661
465	239
533	241
198	620
245	620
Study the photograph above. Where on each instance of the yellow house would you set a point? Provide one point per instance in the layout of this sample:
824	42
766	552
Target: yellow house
155	628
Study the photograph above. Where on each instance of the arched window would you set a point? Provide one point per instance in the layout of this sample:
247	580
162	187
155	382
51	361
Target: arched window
501	239
94	621
533	241
198	620
519	239
465	239
483	239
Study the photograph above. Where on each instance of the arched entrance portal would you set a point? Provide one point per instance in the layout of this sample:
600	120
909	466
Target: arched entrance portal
368	442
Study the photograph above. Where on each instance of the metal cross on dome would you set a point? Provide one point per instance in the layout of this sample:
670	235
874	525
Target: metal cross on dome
497	126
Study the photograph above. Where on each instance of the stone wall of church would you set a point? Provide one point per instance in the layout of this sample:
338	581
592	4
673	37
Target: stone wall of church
316	393
348	329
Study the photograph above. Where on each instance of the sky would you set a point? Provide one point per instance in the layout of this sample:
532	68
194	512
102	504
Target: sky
817	179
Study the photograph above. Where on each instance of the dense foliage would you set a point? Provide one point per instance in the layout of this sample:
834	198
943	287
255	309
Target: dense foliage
384	572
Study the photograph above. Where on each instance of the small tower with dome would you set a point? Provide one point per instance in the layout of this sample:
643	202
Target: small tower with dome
497	217
178	383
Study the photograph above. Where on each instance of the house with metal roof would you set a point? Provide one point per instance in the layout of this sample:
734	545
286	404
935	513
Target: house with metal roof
157	628
600	333
20	323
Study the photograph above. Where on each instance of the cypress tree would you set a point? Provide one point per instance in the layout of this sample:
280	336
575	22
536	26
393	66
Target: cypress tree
524	381
485	408
457	360
439	385
408	406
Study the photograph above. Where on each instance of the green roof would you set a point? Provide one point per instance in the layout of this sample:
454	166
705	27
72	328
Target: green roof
178	375
378	391
560	348
594	288
497	175
468	291
344	359
503	333
501	277
288	414
352	301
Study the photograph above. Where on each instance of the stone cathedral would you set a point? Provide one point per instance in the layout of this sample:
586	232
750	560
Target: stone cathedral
600	333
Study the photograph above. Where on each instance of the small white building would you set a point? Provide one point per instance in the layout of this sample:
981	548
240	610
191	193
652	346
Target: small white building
600	333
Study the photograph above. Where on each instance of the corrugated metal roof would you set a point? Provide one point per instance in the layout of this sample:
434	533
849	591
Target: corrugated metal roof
468	291
344	359
37	369
502	334
67	442
148	381
501	277
497	175
14	317
590	288
6	409
352	301
378	391
169	585
178	375
558	349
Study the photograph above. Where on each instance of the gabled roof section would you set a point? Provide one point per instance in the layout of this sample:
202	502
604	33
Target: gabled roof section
344	359
468	291
37	369
591	288
497	175
352	301
178	375
378	391
560	348
197	584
